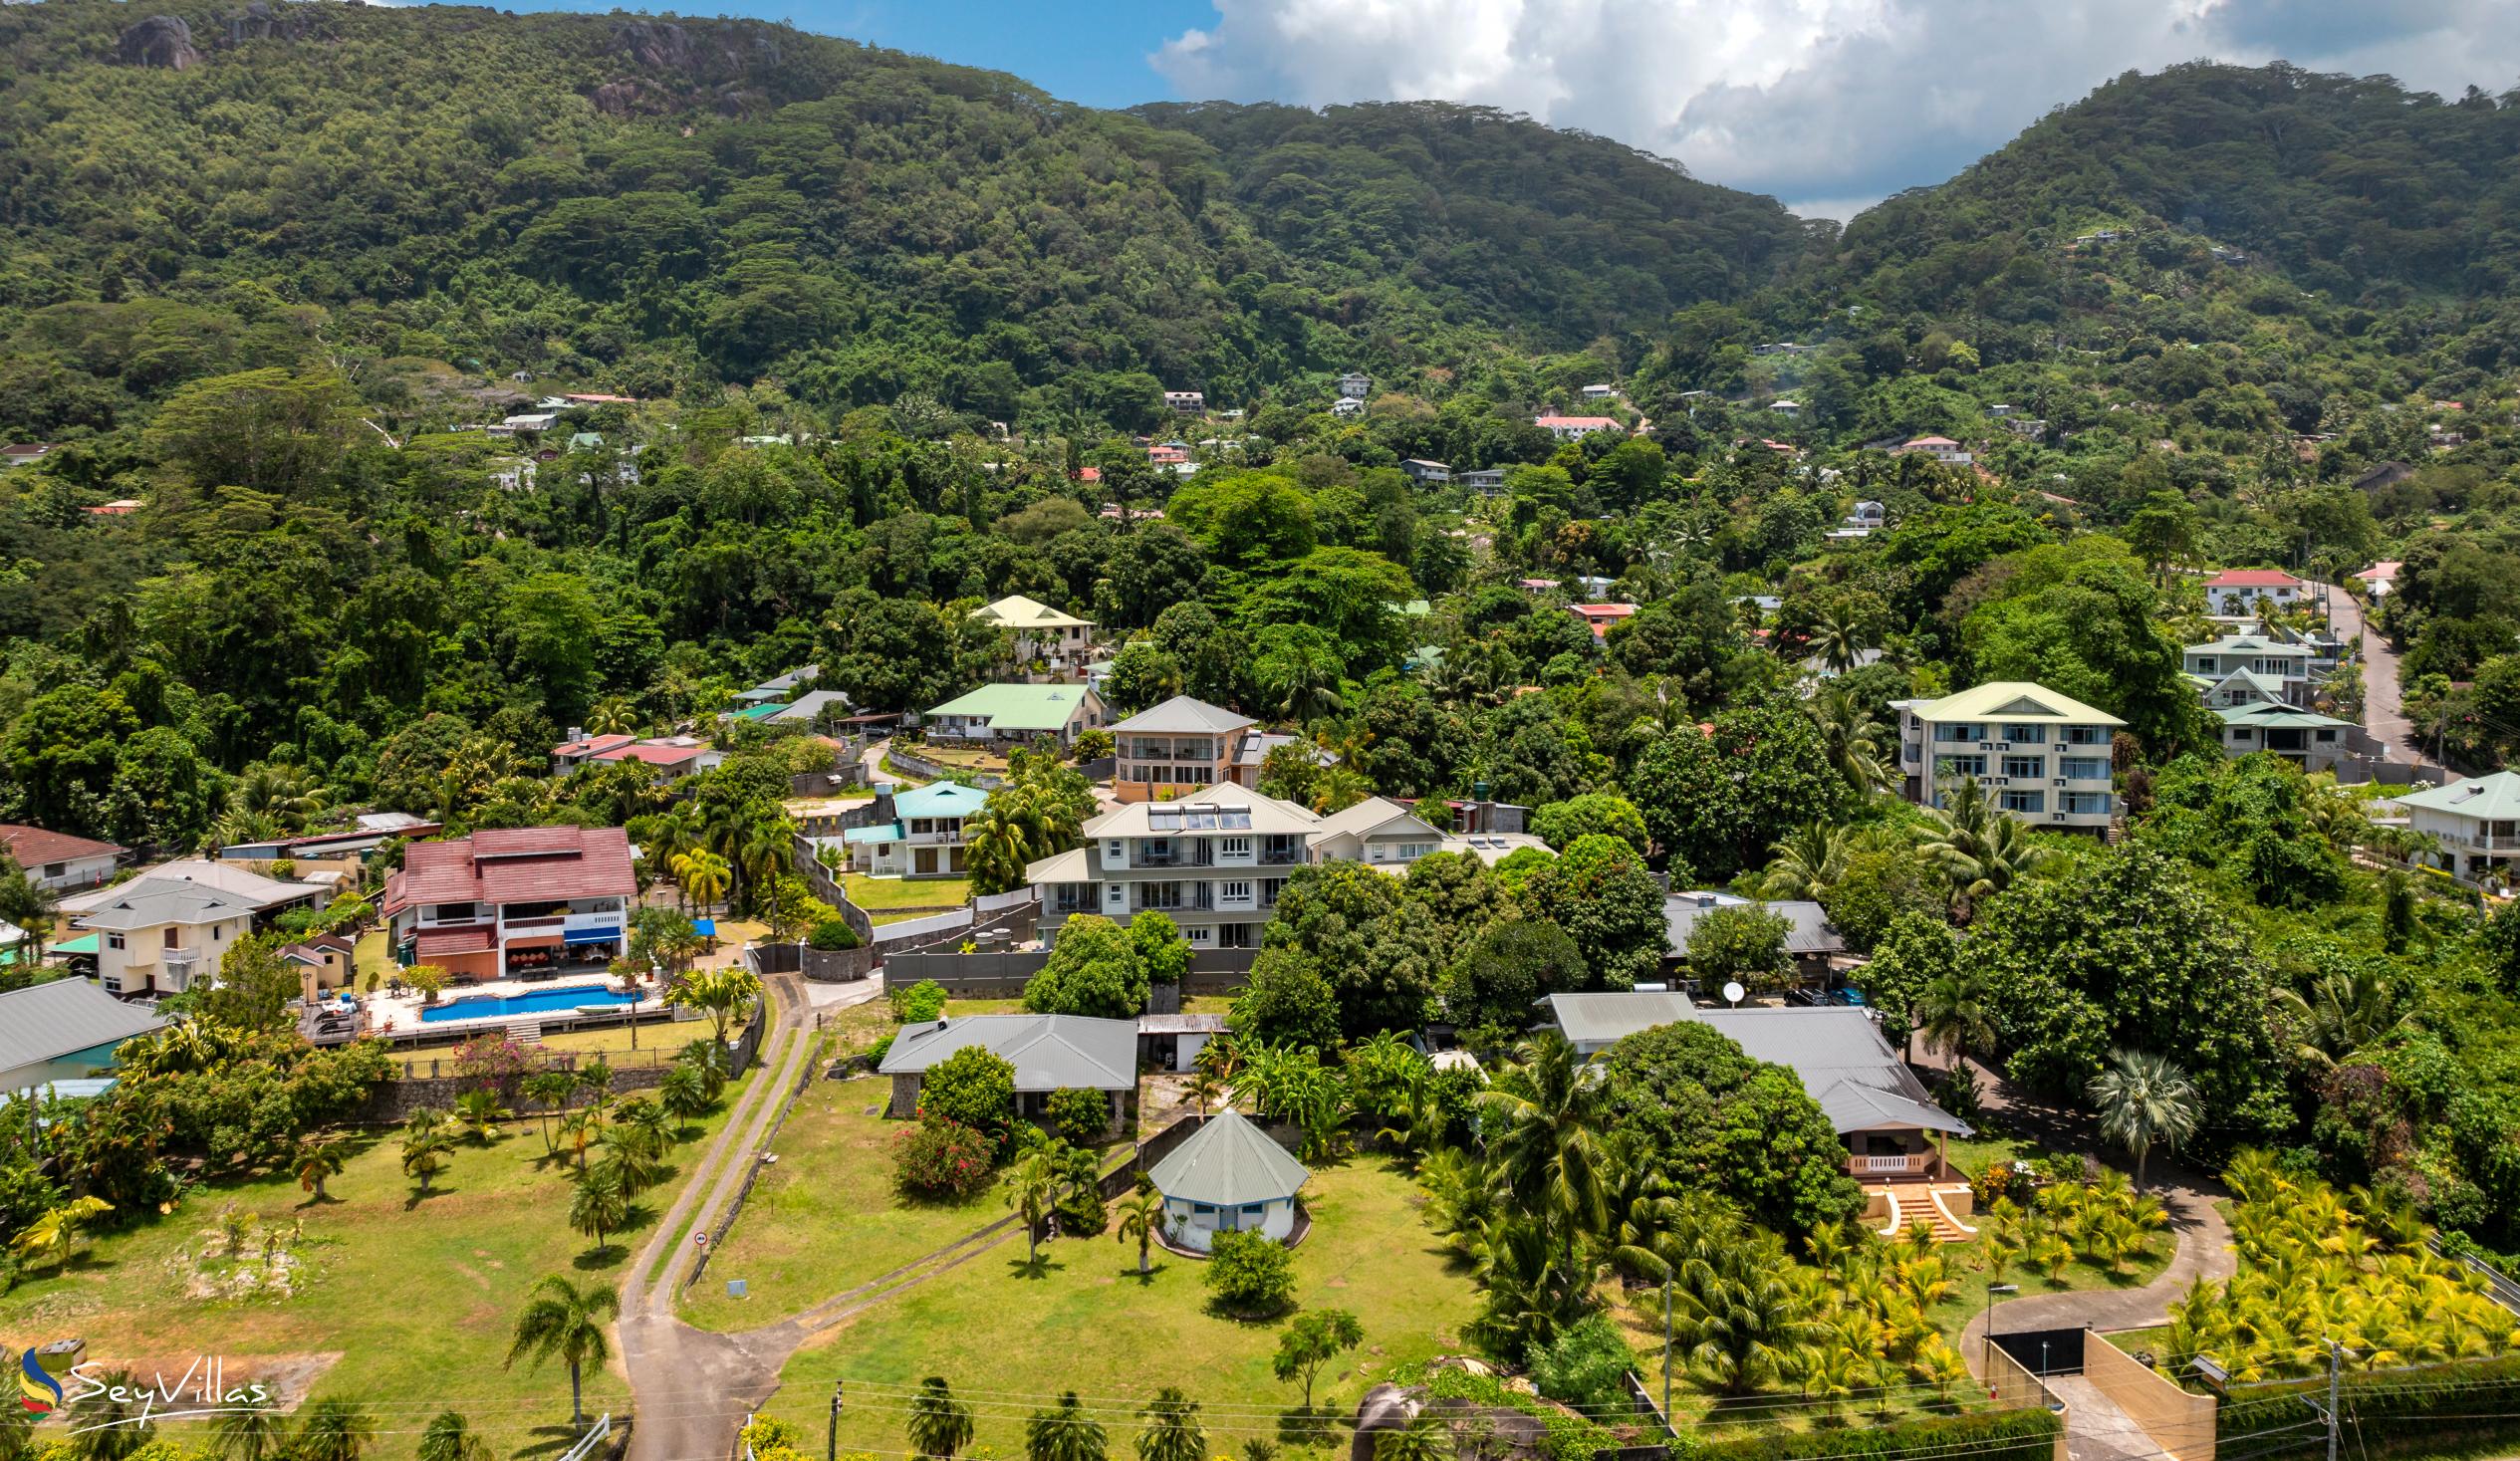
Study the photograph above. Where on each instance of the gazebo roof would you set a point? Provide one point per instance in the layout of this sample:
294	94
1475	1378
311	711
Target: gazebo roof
1229	1161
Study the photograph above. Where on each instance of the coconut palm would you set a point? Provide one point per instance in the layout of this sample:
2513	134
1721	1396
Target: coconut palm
2145	1101
426	1143
1808	862
1840	638
319	1161
612	716
1064	1433
1853	739
684	1095
599	1203
450	1437
1030	1189
1141	1219
703	876
2347	1010
333	1429
249	1433
560	1319
1955	1013
939	1425
724	995
549	1091
1173	1431
1978	849
1204	1088
1546	1147
480	1112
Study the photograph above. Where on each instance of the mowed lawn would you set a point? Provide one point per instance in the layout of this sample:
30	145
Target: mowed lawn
1004	1335
880	894
827	1217
411	1301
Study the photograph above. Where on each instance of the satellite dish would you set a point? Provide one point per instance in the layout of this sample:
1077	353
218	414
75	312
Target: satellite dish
1734	991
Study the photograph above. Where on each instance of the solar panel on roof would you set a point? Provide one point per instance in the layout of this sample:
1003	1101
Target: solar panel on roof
1236	819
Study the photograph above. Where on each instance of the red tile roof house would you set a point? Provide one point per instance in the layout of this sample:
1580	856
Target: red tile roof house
1600	616
55	860
513	901
2235	592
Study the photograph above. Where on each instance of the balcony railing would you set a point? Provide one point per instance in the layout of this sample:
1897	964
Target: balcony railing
1911	1164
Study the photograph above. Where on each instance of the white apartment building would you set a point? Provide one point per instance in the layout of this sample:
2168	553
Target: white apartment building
2039	755
2273	661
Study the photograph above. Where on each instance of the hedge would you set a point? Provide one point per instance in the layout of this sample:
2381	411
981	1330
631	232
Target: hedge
2428	1408
1996	1435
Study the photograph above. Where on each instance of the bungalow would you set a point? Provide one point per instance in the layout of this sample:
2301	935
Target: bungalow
1941	448
1174	1042
1348	405
2380	579
25	453
55	860
2476	823
2239	593
1486	479
669	757
1573	428
1419	469
1592	1023
1013	713
65	1030
531	421
780	688
1041	634
2307	739
1229	1177
1375	831
1601	392
922	834
1600	616
1810	938
1786	407
1050	1053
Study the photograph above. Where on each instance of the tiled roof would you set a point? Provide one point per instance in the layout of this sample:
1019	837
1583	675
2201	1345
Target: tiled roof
2253	579
593	745
520	865
33	847
438	943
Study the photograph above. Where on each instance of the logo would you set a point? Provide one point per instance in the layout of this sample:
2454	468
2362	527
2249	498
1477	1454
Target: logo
39	1391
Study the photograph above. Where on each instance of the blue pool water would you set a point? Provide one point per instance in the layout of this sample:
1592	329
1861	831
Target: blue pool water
536	1002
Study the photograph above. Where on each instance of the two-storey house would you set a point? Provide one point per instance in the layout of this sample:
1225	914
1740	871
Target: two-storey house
1215	862
1184	746
158	937
513	901
2285	665
2475	823
1059	643
2039	755
915	834
2307	739
2239	593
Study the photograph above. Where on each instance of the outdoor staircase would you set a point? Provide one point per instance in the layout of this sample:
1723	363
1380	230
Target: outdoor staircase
1911	1201
527	1033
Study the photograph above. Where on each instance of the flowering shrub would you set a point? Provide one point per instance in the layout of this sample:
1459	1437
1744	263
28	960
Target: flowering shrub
940	1158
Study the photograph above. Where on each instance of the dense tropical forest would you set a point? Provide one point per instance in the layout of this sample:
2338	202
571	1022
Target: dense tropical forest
870	340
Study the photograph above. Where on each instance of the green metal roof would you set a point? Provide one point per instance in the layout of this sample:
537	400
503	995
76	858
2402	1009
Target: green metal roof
881	832
1011	707
1229	1161
2279	717
940	799
2494	798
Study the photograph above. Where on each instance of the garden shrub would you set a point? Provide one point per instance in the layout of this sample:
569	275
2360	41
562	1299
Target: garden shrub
1081	1116
2434	1408
1565	1437
1584	1363
1249	1276
1998	1435
973	1088
835	934
920	1003
940	1158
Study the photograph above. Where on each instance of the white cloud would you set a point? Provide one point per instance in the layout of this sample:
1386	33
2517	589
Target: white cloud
1828	103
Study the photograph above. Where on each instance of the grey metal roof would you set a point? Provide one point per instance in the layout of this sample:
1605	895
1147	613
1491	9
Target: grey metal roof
810	704
1229	1161
1845	1065
1048	1052
47	1021
1181	1024
1593	1019
150	903
1810	933
1182	715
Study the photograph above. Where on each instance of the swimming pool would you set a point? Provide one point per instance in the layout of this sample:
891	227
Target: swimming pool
565	999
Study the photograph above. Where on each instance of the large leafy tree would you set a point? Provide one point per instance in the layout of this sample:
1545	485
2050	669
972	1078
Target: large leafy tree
1716	801
1689	1100
1598	891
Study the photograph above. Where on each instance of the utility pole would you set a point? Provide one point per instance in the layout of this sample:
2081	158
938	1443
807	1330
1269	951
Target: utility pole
1667	1354
831	1431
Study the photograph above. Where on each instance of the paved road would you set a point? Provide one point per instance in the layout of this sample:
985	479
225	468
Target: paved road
2384	707
2097	1430
872	759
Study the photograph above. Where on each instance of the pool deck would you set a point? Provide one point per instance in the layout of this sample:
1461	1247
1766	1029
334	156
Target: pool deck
399	1016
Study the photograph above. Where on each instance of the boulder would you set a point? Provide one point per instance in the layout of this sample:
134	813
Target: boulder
1384	1407
160	41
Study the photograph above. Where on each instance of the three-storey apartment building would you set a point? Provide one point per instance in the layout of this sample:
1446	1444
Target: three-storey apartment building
1184	746
2039	755
513	900
2286	665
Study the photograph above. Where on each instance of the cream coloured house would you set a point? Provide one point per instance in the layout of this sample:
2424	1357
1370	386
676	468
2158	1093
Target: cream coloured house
2039	755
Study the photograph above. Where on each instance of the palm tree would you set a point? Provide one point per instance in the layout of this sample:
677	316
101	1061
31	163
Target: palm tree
247	1433
1547	1146
1030	1188
1808	862
1954	1012
599	1204
53	1234
1064	1434
627	1159
722	993
426	1143
1840	638
1424	1438
1852	738
1172	1431
1140	1218
703	876
2145	1101
450	1437
549	1091
612	716
333	1429
1338	788
319	1161
2347	1010
1979	850
564	1319
1204	1088
683	1093
939	1425
481	1113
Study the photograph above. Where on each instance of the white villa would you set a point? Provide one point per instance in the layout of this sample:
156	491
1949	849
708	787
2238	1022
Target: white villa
1229	1177
923	837
1056	641
2476	823
2041	756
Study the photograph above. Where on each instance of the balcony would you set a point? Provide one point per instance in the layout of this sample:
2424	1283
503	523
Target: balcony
1910	1164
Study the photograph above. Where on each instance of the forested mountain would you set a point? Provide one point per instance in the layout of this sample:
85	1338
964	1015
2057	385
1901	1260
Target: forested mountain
666	202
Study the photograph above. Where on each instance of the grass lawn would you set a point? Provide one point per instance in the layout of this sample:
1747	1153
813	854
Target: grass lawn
826	1217
876	894
1085	1322
409	1300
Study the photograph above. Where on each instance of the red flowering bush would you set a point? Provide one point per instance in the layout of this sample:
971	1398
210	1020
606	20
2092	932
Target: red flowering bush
942	1158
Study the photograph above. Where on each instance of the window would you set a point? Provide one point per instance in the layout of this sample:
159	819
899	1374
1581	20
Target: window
2025	767
2327	733
2204	664
2087	735
113	940
2242	733
1962	732
2025	735
1235	890
2084	767
2087	803
2028	804
1955	767
1236	847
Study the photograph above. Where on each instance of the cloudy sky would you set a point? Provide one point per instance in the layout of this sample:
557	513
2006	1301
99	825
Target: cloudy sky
1829	105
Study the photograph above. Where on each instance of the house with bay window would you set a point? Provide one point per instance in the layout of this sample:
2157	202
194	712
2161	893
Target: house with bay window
2039	755
513	901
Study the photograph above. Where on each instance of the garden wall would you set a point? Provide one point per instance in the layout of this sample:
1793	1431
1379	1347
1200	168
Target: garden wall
1003	976
2034	1435
2430	1409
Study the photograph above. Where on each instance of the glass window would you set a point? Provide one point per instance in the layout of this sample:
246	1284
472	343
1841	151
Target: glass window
2084	768
2327	733
1955	767
2025	766
1962	732
2025	735
2028	804
2087	803
2087	735
113	940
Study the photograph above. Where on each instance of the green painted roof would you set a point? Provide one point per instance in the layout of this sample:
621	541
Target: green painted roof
2013	700
940	799
1229	1161
754	712
2279	717
85	943
1012	707
881	831
2495	798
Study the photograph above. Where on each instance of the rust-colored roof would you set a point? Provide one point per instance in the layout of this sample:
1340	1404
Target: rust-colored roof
33	847
652	755
592	745
438	943
518	864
